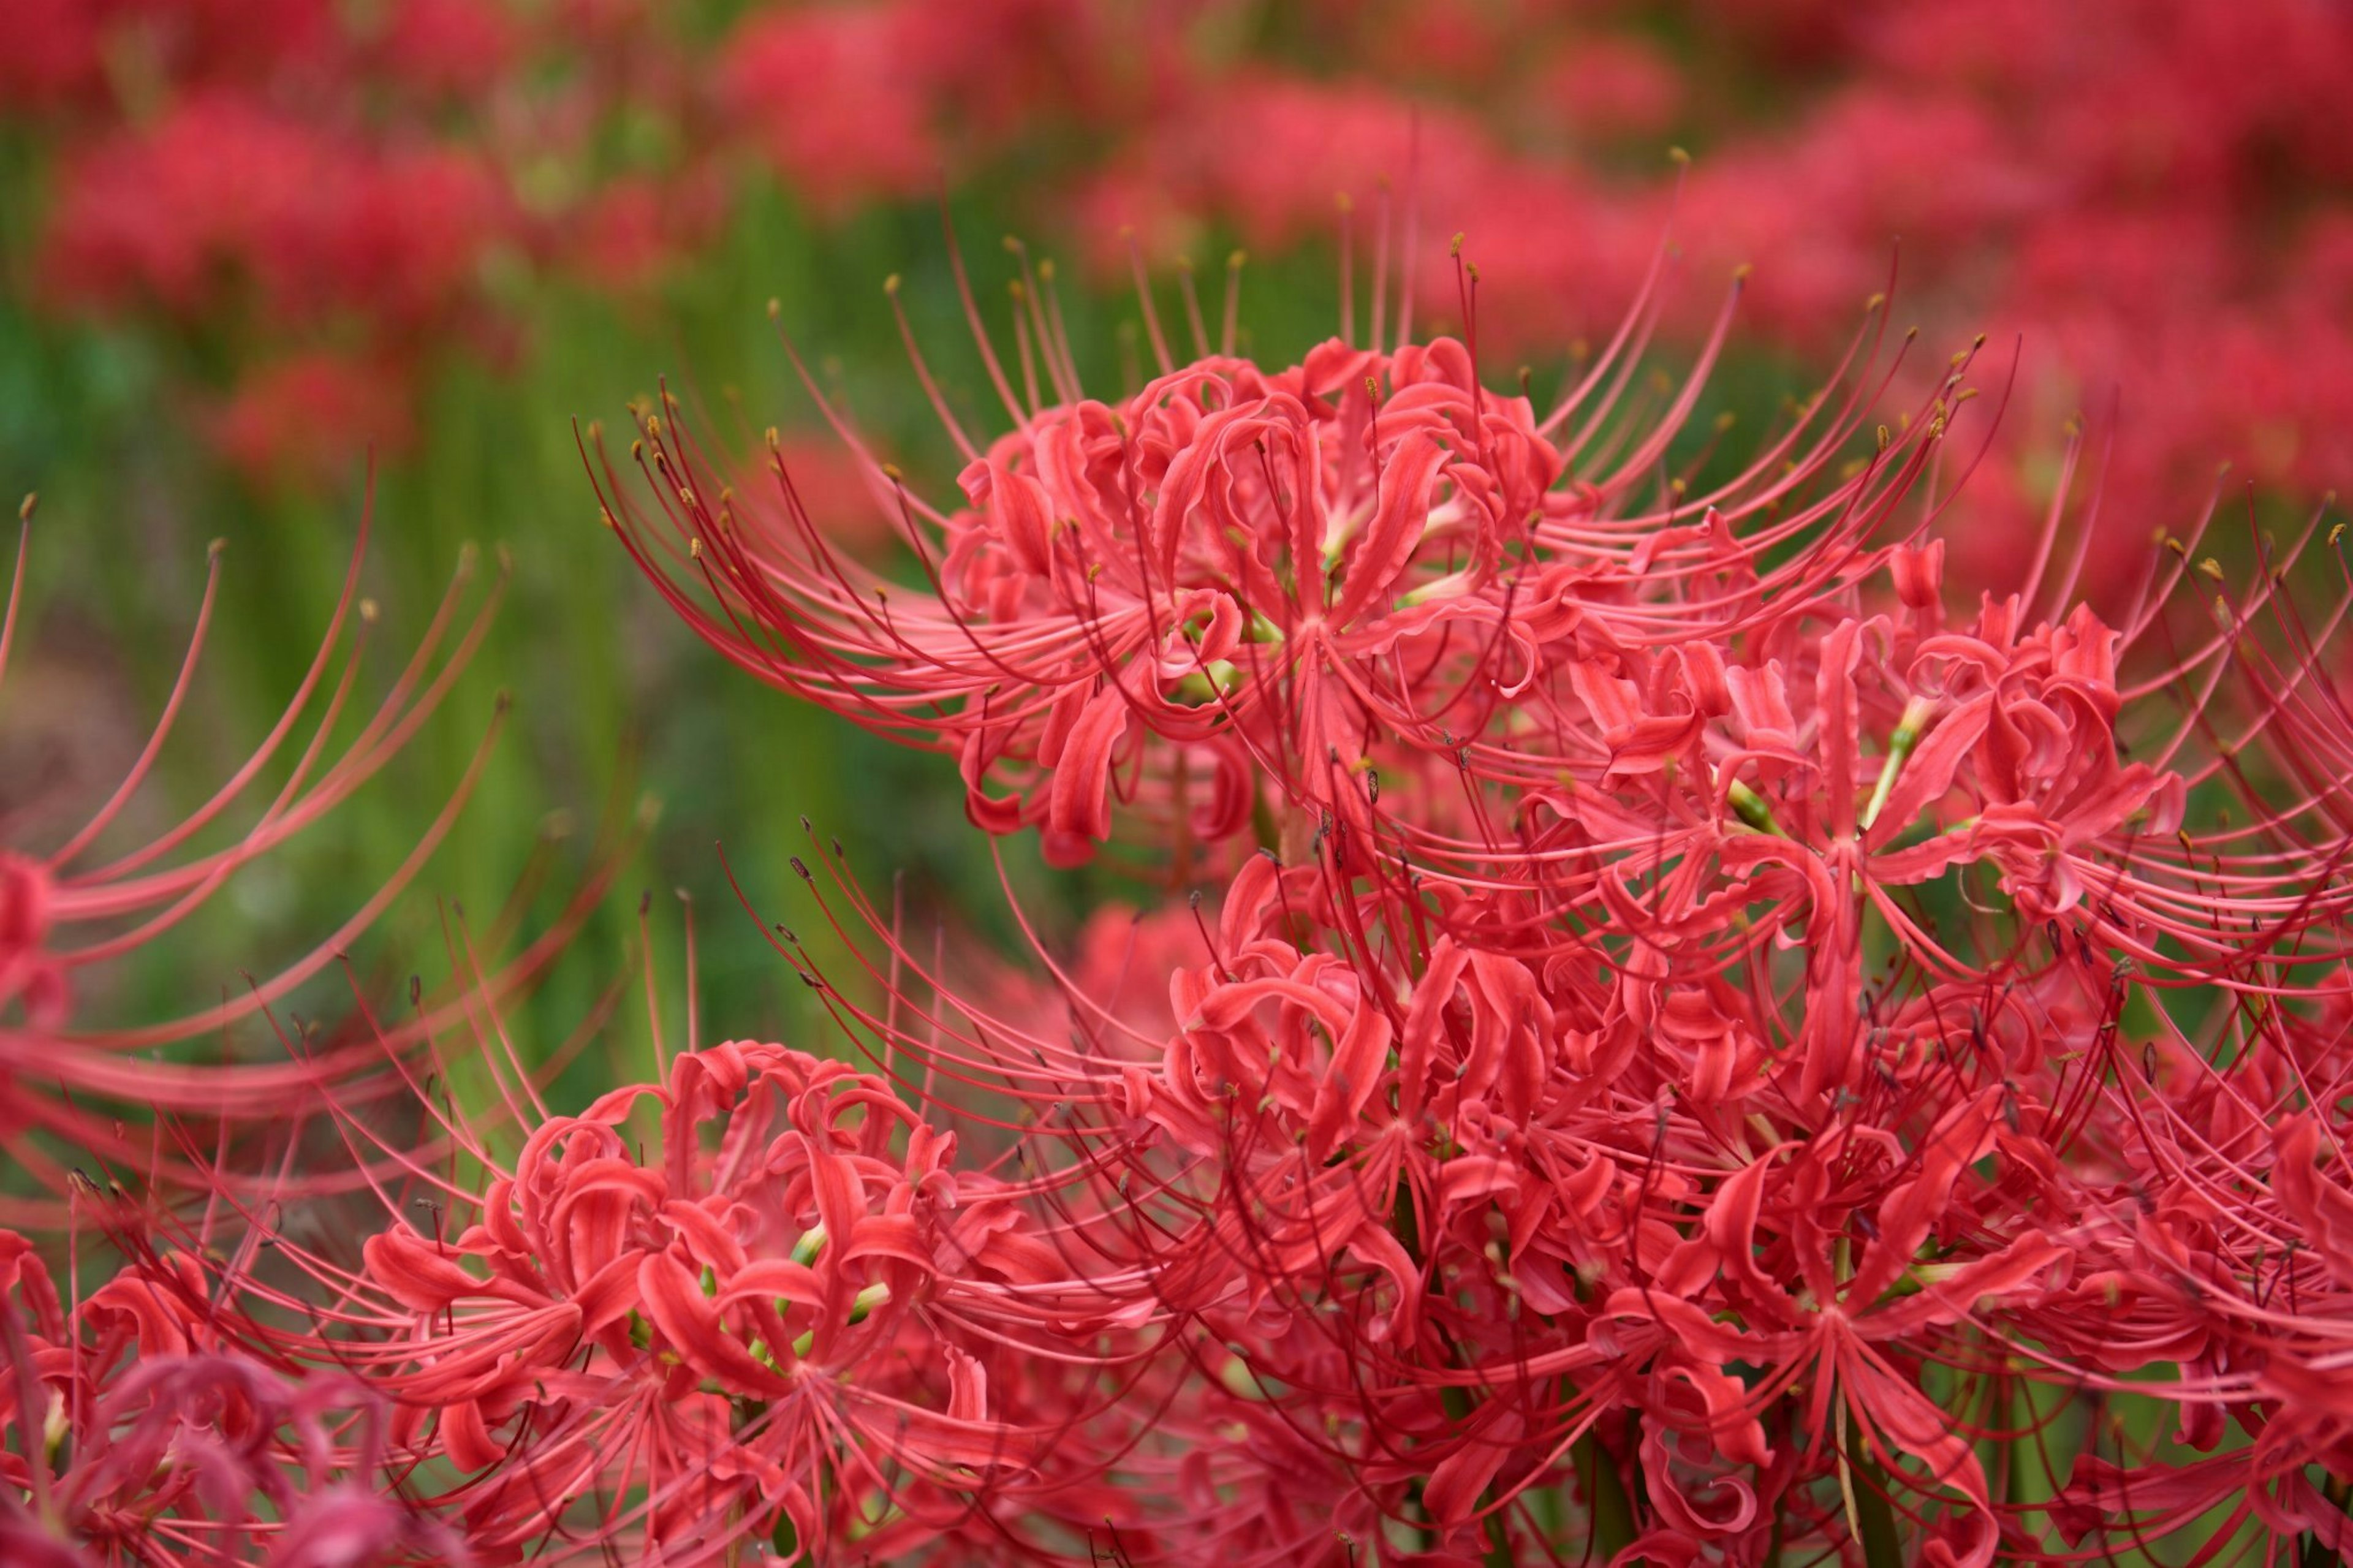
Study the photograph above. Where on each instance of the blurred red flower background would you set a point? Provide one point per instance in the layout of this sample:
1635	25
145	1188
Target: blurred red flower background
2152	193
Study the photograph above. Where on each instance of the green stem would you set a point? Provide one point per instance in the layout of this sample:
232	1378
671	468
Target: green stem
1609	1510
1874	1517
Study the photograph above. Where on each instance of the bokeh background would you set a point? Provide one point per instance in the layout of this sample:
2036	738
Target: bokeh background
245	243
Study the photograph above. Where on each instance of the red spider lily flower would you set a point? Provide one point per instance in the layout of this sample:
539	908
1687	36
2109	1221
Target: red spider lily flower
1831	1331
792	1322
184	1456
152	1447
1352	563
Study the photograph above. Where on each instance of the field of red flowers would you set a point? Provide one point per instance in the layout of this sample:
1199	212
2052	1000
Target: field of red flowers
1569	785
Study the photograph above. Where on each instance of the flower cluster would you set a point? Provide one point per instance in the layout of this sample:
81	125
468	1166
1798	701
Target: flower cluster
1700	1048
785	1320
1674	1038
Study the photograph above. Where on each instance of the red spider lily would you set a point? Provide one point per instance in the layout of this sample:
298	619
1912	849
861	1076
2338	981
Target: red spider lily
1718	1047
783	72
149	1447
1718	1054
1710	1033
1356	564
796	1331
